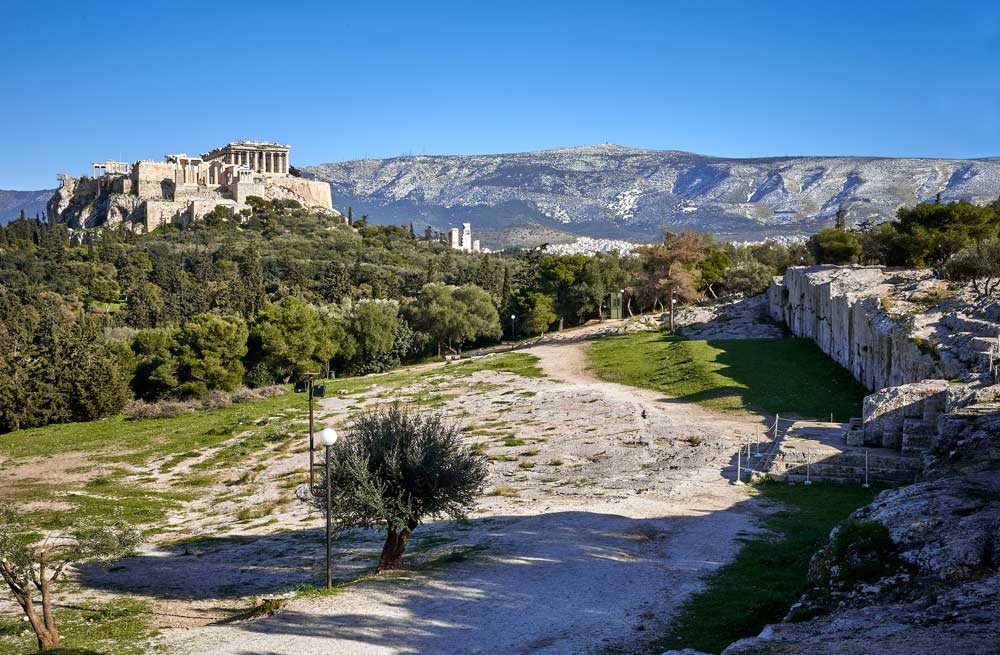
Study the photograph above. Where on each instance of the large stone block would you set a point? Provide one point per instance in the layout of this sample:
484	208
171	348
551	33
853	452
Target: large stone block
841	309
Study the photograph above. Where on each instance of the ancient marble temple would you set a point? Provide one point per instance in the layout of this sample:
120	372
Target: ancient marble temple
182	188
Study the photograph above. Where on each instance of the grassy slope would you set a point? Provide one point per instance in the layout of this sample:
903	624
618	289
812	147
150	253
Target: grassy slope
105	463
785	376
769	573
112	449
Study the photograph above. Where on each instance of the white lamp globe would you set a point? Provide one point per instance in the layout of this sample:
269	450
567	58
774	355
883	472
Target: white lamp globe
328	436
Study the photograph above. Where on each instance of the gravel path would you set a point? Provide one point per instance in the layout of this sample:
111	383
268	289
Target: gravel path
614	523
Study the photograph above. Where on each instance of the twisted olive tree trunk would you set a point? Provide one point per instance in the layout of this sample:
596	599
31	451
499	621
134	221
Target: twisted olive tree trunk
395	546
44	625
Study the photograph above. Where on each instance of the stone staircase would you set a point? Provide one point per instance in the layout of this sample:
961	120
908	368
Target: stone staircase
817	451
973	342
917	436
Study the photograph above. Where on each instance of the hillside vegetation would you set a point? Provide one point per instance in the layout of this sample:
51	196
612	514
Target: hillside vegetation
112	321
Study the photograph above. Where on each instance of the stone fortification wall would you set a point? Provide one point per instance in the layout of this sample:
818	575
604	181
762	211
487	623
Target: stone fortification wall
843	310
152	179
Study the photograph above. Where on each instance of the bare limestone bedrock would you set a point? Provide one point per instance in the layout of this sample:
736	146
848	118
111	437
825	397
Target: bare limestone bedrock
840	308
938	587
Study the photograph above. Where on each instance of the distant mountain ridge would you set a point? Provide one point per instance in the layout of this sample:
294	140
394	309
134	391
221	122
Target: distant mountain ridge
32	202
620	192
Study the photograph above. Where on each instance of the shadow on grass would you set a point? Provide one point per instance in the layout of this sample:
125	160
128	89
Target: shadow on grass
786	376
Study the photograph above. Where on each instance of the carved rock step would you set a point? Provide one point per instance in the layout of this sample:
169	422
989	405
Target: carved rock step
917	427
979	327
915	445
975	350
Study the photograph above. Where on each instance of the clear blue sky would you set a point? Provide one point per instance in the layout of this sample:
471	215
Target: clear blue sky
92	80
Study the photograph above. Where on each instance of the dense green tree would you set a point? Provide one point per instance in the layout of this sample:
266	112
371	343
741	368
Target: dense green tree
535	312
210	351
712	268
929	233
833	246
455	315
55	365
748	277
292	337
559	275
372	327
156	374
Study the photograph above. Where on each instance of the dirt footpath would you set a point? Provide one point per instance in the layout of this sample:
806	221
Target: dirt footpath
600	523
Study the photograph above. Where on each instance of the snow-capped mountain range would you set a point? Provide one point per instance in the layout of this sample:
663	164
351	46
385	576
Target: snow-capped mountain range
613	191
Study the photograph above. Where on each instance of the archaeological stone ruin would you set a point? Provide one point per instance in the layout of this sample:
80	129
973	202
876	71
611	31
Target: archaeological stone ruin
923	350
931	430
146	195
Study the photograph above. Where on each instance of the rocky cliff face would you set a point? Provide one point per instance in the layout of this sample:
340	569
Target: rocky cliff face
915	572
613	191
918	570
845	310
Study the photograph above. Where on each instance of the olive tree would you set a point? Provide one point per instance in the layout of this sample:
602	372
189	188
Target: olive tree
31	562
455	315
396	468
978	264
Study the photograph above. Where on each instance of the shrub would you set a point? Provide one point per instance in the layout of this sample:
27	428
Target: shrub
140	409
861	551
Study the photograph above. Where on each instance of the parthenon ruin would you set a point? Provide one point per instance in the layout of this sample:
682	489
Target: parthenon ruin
182	188
259	156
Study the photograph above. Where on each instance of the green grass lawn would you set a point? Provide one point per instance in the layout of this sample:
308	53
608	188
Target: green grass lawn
769	573
115	455
785	376
109	451
118	627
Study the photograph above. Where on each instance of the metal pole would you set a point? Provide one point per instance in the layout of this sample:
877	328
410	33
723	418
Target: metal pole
739	471
329	538
312	444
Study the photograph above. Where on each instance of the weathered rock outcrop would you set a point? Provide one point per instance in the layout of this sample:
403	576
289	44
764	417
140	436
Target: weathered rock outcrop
844	310
918	570
934	588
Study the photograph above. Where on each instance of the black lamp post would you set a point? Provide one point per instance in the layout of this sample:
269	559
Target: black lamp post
328	437
512	335
310	378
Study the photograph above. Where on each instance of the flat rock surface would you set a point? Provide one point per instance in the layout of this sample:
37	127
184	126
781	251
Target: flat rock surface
609	522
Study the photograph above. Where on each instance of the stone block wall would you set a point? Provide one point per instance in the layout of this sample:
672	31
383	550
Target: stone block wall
311	193
151	179
839	308
163	212
904	417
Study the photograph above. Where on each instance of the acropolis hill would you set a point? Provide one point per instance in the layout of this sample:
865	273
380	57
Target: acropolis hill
146	195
